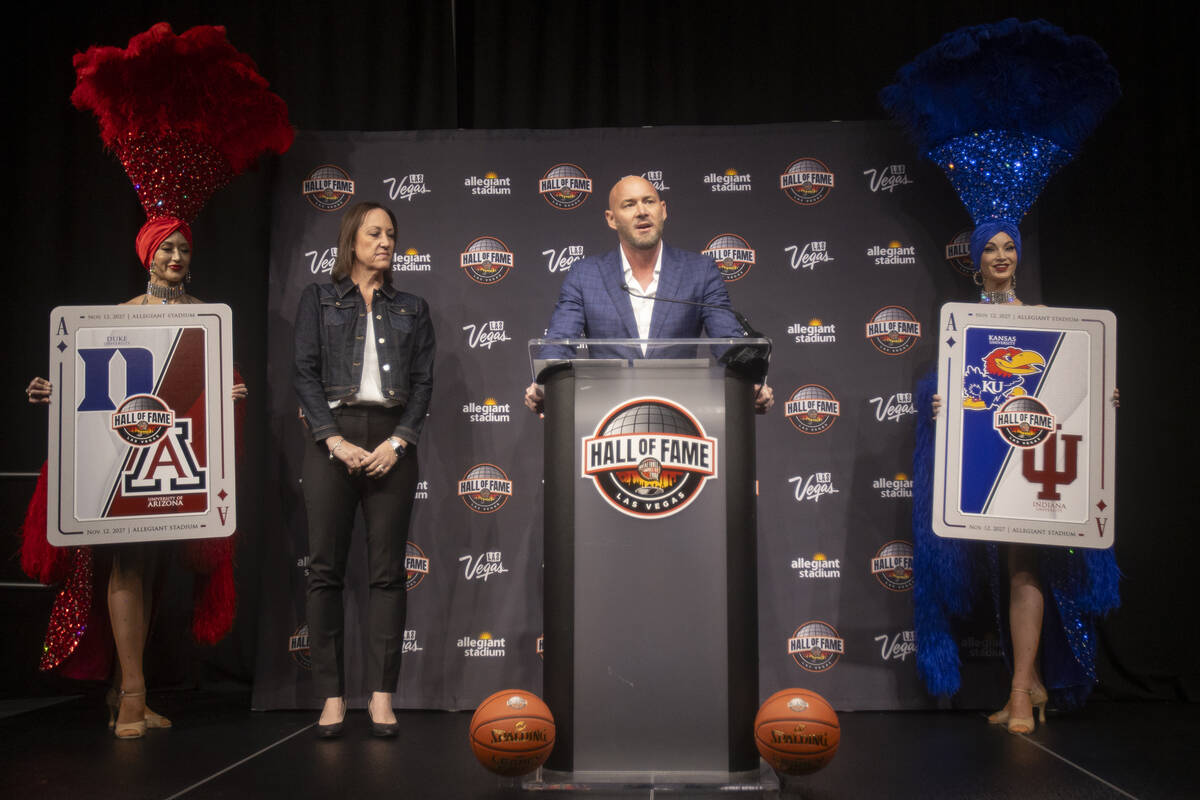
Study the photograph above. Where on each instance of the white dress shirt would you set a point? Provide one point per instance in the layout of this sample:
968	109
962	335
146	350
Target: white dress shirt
643	307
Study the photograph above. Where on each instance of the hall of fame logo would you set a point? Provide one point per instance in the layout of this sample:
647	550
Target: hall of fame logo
816	646
733	254
958	253
487	260
565	187
649	457
812	409
485	488
142	420
416	566
806	181
328	188
892	566
298	648
1024	422
893	330
1001	375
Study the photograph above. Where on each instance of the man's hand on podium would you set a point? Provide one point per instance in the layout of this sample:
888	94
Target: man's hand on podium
764	398
535	399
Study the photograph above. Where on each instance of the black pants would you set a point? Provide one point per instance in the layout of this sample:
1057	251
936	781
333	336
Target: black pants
331	496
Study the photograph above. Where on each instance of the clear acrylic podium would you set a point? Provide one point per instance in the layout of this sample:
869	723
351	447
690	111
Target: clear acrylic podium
650	592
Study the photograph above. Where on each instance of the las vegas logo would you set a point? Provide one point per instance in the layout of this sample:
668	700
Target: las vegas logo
649	457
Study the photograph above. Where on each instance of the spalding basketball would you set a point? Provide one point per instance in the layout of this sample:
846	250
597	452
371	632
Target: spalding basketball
512	732
797	731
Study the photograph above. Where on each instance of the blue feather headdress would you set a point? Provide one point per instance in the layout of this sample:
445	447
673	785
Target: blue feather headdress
1001	108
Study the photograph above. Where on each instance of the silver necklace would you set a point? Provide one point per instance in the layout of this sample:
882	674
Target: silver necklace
999	296
164	293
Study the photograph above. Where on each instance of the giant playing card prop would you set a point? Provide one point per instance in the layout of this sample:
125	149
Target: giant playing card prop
141	424
1025	446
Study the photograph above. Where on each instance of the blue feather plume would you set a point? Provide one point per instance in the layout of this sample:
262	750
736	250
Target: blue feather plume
1027	77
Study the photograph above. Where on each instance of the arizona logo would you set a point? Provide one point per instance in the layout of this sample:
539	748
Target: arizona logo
142	420
328	188
893	330
1000	377
649	457
487	260
958	253
485	488
1024	421
806	181
565	187
812	409
733	254
892	566
416	566
816	646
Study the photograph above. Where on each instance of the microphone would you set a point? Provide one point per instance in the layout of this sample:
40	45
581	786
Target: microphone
751	361
747	329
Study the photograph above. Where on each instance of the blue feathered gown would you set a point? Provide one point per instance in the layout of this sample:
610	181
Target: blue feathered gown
1079	586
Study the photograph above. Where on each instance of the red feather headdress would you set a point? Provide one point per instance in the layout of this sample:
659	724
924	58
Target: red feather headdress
184	114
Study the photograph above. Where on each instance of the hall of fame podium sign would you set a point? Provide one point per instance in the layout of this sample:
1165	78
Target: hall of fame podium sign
141	424
1025	443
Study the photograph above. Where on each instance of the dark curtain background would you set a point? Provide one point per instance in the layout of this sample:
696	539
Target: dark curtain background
398	65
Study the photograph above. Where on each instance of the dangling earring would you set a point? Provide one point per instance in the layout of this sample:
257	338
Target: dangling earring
1012	282
188	278
977	277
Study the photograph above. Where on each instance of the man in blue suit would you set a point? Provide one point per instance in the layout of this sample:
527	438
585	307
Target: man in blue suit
592	302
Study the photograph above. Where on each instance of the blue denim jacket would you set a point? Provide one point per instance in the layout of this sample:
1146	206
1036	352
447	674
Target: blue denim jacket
331	324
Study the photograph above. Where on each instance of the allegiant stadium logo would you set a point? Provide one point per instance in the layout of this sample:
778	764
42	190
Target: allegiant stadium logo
812	409
487	260
806	181
328	188
649	457
893	330
733	254
565	187
485	488
816	646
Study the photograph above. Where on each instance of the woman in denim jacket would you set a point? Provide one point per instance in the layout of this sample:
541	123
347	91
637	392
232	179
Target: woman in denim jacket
363	375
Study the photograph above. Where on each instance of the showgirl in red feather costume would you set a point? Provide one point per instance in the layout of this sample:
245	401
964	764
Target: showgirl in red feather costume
184	114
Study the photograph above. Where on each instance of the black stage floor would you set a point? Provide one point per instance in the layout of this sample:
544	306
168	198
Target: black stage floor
219	749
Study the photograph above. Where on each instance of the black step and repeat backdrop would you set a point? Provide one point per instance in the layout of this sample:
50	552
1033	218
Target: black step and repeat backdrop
833	239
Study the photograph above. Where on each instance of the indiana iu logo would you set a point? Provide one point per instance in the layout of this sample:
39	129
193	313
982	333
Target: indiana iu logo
649	457
1049	475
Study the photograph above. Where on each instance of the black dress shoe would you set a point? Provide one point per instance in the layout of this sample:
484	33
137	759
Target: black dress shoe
384	730
332	730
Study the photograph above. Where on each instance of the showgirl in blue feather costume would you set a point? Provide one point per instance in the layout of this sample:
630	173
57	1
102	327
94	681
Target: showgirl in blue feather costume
1001	108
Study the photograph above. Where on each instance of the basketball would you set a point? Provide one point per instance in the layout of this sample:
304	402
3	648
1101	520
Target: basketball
512	732
797	731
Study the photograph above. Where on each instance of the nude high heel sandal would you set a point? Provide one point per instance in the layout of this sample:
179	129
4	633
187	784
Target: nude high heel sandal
153	718
130	730
1022	725
1039	698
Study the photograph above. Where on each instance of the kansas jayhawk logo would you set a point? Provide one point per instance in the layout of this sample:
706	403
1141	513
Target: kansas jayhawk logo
1000	378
